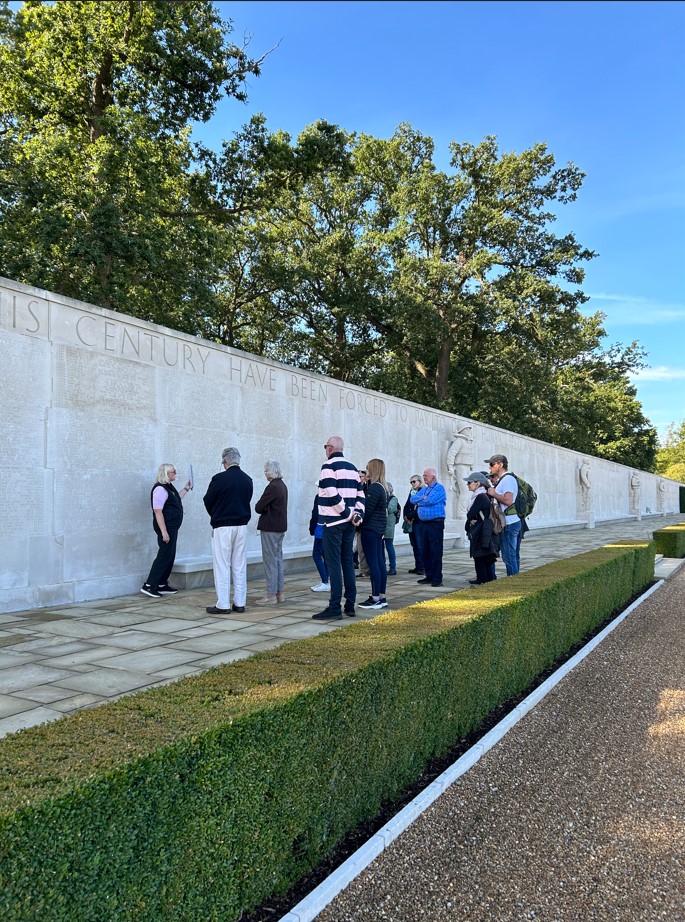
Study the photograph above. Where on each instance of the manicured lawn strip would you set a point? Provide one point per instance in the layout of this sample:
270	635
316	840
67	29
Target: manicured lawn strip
201	799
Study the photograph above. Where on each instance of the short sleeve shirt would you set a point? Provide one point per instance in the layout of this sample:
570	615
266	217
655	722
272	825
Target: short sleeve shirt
508	484
159	497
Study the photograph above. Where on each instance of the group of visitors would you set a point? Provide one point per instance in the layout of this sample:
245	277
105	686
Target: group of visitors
349	504
497	486
227	502
351	501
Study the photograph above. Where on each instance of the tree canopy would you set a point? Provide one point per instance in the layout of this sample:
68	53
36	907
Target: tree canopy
670	457
103	195
346	254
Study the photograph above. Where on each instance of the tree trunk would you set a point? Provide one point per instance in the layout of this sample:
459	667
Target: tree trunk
442	371
101	97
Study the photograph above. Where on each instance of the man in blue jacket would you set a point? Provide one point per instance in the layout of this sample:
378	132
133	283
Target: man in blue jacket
430	502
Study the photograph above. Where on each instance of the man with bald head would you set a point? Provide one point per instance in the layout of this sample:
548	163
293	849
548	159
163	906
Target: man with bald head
430	504
340	509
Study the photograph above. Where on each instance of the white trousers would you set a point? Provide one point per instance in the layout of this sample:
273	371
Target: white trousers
229	554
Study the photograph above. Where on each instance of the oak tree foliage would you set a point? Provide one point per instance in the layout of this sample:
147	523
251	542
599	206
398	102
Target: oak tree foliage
342	253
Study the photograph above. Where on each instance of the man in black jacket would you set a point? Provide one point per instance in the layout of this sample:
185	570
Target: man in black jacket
227	501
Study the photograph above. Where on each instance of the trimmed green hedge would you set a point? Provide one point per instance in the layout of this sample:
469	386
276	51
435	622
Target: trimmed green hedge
198	800
670	541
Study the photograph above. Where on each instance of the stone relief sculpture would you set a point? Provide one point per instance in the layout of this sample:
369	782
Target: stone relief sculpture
459	463
635	493
661	496
585	485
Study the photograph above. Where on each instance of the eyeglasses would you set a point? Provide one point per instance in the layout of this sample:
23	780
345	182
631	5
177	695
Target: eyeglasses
172	470
414	481
327	445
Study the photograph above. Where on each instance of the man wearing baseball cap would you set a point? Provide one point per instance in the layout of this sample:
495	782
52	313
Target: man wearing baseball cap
505	492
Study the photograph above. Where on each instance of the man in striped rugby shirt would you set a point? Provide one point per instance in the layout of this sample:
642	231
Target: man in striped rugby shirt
341	510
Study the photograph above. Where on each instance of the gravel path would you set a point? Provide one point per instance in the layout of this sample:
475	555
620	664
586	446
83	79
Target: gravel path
578	814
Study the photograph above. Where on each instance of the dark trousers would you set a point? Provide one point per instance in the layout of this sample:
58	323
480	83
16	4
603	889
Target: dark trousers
415	541
432	533
485	568
375	558
337	549
160	571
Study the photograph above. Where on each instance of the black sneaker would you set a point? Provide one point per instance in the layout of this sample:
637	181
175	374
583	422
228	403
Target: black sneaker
372	603
349	611
424	580
474	582
327	615
168	590
436	585
383	602
153	593
417	571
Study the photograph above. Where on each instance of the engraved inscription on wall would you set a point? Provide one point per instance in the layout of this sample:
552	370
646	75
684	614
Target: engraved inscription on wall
105	334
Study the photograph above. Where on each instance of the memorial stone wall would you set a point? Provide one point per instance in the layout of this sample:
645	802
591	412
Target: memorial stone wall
94	401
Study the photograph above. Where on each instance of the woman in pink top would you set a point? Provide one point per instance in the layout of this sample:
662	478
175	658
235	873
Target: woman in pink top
167	516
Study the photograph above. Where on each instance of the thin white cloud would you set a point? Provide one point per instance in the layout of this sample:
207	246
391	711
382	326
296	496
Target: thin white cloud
659	373
629	309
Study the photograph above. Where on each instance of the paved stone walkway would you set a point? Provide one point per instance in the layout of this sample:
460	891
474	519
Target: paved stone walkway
55	661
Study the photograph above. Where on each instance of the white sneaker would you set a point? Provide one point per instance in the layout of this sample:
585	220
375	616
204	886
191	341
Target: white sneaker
321	587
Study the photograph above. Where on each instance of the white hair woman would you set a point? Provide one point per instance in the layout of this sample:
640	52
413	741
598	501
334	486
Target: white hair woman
167	516
272	507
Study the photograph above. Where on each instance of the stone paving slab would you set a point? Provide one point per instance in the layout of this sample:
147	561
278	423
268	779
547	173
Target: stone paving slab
135	642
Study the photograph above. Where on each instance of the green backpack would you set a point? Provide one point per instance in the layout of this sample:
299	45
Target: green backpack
525	498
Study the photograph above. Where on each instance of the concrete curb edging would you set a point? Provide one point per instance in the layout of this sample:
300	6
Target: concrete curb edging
316	901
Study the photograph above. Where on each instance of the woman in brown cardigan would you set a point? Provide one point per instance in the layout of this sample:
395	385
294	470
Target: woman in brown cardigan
272	507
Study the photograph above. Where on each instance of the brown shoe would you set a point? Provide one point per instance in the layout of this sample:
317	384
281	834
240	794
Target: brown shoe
267	600
213	610
280	596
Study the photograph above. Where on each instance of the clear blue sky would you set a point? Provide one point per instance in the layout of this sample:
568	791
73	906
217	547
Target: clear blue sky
601	83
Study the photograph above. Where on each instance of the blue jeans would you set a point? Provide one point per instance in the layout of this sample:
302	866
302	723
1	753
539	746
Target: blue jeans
511	545
337	549
392	556
318	558
372	543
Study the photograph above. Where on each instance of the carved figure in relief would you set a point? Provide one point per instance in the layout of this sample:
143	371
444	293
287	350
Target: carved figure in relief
635	492
167	516
459	461
585	485
661	496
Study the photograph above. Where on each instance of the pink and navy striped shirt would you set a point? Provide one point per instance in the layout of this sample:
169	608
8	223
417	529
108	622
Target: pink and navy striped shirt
340	491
